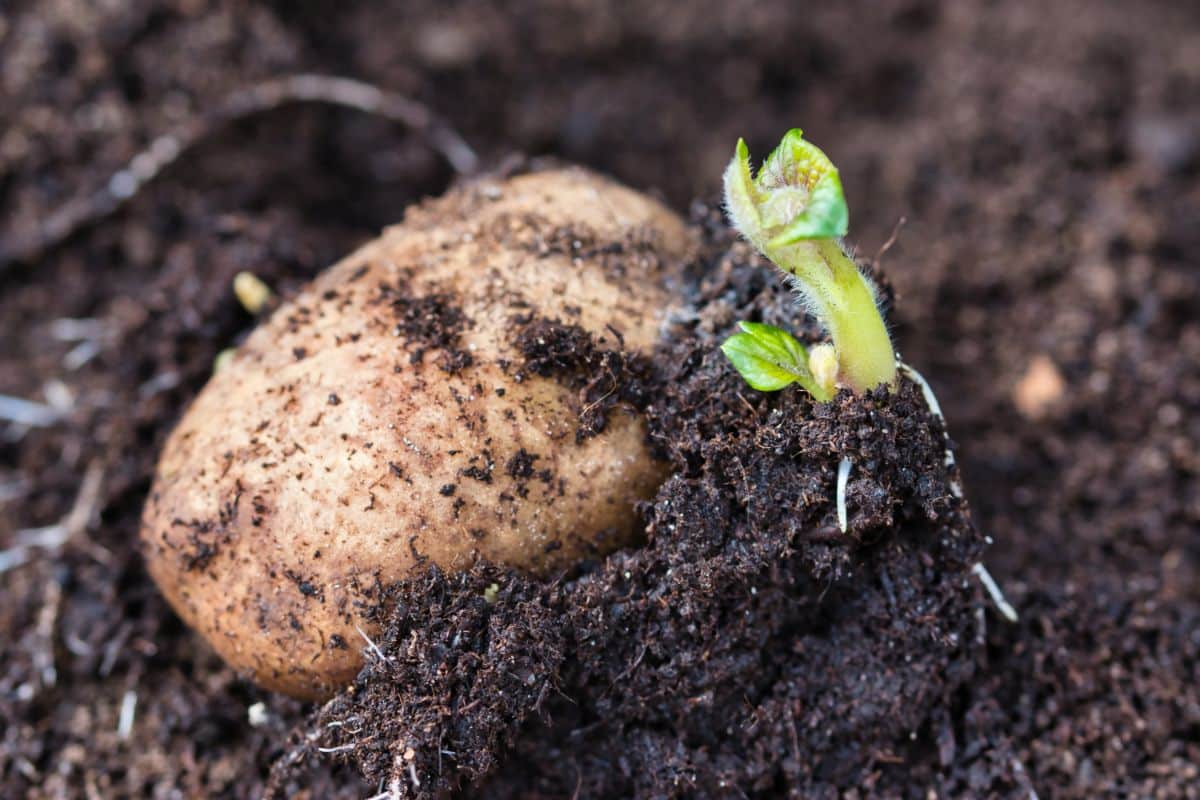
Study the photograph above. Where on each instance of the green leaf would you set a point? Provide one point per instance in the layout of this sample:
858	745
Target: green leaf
799	163
782	346
796	195
742	197
769	359
756	365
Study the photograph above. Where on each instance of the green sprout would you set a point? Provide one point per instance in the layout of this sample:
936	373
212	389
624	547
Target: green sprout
795	213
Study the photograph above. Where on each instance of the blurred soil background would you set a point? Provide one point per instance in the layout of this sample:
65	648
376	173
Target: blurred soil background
1045	155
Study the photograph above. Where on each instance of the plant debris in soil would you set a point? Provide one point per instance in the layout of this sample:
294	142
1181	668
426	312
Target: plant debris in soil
1046	157
479	651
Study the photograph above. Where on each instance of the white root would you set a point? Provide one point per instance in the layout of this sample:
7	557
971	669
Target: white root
993	589
370	644
29	540
89	335
52	538
935	408
843	477
979	570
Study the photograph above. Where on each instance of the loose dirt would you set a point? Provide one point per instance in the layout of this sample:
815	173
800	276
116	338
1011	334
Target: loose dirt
1045	156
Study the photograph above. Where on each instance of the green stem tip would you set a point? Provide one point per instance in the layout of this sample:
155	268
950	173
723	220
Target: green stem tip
794	212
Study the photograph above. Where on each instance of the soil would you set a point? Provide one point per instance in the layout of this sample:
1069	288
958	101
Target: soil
603	377
1046	157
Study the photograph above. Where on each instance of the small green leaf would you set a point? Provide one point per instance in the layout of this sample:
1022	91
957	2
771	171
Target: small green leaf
741	195
756	364
799	163
769	359
796	195
782	345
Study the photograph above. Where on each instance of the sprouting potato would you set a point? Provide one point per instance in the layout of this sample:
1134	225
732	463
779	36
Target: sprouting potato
389	416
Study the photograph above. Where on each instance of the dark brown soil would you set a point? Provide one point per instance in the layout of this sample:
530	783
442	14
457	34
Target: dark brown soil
433	321
604	375
1046	156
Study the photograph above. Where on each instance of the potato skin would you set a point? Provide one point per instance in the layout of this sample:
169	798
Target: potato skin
330	457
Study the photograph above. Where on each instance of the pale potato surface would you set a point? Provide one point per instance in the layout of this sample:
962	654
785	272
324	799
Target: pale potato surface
323	463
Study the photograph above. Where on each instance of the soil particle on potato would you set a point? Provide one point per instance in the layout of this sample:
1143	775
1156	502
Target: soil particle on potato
430	322
521	464
604	375
581	243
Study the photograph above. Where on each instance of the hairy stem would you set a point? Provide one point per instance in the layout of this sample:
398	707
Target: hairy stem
843	299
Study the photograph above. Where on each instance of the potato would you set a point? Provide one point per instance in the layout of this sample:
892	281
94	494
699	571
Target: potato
386	417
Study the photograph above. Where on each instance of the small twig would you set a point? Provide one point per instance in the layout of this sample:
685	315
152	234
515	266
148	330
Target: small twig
1022	776
843	477
47	621
27	412
87	501
128	710
53	537
629	670
13	489
747	404
891	241
165	150
979	570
